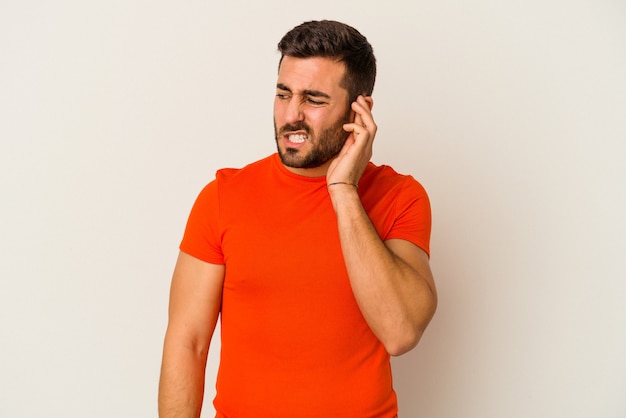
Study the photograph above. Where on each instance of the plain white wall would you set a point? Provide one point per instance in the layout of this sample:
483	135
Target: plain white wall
512	114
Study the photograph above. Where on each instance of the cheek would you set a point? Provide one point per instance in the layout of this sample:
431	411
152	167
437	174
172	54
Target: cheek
276	107
317	118
278	113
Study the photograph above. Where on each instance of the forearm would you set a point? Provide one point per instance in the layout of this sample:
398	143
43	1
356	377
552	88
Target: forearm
181	388
195	300
396	299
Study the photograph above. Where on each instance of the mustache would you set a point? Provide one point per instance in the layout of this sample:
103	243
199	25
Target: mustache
300	126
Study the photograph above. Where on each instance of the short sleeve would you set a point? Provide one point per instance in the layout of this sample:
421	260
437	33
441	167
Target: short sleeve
202	237
413	215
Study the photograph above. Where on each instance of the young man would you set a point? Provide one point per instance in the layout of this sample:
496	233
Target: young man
315	259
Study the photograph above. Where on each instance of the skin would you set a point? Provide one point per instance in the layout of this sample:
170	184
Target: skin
392	281
195	301
310	101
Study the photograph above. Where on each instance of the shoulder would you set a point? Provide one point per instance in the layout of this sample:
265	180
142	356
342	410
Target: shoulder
226	175
383	179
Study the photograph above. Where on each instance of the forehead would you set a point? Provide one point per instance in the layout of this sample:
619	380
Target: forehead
315	73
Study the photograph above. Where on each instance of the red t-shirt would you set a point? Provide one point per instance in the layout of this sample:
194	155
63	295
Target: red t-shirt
294	342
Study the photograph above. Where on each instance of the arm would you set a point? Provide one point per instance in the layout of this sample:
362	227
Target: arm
391	280
195	300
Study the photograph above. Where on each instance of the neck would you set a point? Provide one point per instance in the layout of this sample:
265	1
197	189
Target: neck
310	172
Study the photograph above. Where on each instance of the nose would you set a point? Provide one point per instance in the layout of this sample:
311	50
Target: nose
293	111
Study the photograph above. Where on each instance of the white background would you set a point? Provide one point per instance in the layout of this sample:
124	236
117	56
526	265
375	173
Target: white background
512	114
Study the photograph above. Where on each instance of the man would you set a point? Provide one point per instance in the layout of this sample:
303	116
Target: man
315	259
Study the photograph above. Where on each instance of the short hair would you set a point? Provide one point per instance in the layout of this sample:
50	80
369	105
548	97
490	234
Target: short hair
335	40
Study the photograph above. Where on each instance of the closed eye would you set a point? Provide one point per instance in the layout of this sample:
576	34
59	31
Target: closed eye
315	102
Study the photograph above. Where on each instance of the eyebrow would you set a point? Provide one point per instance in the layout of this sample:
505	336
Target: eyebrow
312	93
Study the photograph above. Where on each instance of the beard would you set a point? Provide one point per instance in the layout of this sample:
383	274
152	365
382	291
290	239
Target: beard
323	148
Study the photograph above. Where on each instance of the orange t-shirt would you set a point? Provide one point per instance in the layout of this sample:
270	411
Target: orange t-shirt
294	342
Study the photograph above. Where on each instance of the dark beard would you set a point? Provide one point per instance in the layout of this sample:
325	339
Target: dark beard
326	147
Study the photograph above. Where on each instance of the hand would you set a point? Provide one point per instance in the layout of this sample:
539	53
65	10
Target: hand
351	161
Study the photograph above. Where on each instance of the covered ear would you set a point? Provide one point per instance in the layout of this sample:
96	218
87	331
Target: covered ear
369	101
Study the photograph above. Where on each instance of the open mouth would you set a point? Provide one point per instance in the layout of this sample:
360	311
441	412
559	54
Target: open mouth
297	138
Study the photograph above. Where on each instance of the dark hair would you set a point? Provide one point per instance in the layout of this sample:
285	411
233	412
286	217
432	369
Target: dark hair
330	39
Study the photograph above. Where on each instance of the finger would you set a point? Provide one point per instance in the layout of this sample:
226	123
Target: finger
358	120
363	115
356	129
364	112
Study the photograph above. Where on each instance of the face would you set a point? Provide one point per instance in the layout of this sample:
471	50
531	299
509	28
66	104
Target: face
310	110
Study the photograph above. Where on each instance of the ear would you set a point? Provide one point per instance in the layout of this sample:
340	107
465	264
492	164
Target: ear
369	101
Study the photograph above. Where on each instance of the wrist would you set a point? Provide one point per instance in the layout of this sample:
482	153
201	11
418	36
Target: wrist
342	183
343	192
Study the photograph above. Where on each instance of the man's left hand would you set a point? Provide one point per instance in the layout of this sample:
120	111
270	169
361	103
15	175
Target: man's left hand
351	161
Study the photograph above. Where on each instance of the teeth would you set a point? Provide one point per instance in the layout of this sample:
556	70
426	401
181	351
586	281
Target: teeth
297	139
